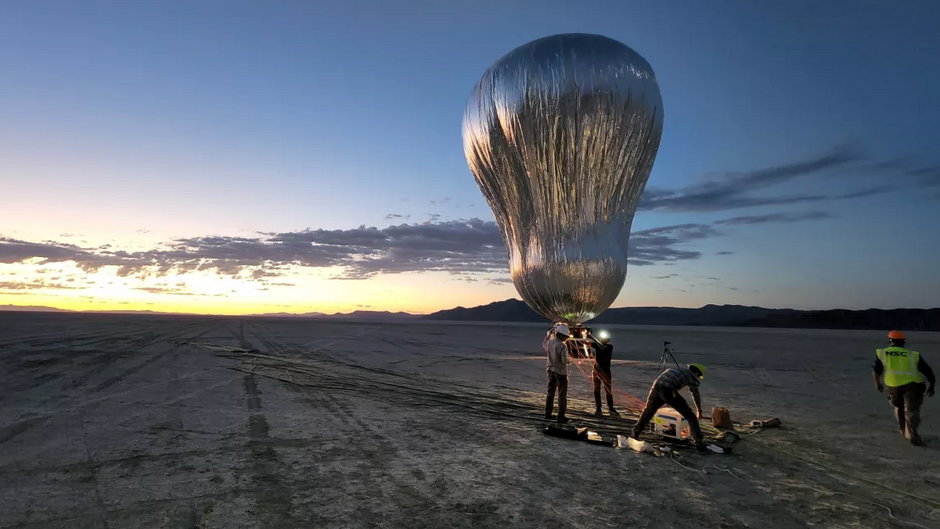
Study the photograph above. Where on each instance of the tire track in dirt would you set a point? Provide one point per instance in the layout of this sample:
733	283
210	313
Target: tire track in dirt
93	365
32	340
382	477
272	498
150	339
87	473
109	357
383	471
367	475
66	358
12	430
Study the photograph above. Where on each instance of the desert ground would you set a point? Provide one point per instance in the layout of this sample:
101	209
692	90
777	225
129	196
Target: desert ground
187	422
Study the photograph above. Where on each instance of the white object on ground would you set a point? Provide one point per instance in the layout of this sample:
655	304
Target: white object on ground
639	446
715	448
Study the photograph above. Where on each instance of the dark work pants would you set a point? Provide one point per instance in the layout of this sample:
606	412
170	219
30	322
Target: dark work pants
906	400
602	378
657	398
559	382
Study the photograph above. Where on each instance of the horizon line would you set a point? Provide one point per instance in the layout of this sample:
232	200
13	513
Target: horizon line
52	309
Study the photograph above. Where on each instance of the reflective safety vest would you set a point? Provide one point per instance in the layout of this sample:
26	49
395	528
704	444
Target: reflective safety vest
900	366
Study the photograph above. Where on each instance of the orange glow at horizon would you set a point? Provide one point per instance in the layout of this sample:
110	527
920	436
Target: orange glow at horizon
66	286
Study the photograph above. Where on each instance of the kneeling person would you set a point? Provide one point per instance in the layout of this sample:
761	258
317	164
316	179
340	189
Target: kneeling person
665	391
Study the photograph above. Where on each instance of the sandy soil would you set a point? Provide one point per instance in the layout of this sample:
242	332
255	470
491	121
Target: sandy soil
176	422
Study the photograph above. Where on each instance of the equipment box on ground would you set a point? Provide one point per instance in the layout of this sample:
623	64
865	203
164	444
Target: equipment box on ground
669	423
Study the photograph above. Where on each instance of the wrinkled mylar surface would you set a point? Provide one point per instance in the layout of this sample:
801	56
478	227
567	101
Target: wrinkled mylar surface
561	134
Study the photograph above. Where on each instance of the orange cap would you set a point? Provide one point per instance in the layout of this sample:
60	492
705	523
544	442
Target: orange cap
896	335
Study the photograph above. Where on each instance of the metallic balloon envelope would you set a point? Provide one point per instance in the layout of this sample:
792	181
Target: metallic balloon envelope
561	134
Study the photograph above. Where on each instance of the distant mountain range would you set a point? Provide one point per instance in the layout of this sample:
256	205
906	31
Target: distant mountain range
514	310
31	308
717	315
359	315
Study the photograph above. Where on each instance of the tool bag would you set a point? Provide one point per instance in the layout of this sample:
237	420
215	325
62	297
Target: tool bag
721	418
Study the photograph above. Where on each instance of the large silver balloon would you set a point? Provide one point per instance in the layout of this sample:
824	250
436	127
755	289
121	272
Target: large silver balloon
561	134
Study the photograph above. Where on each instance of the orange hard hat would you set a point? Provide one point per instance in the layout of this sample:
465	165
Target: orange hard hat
896	335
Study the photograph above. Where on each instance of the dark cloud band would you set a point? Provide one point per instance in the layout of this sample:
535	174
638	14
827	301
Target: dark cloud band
459	247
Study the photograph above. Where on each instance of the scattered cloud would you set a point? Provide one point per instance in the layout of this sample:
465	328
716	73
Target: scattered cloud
35	285
471	247
14	251
658	245
927	176
923	175
775	217
736	189
165	290
455	246
474	246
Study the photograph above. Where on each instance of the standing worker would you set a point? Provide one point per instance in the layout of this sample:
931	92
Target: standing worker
665	390
556	362
601	374
904	371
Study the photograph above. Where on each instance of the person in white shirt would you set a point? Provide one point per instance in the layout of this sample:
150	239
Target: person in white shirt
557	368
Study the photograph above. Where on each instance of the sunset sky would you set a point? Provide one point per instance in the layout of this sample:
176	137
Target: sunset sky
266	156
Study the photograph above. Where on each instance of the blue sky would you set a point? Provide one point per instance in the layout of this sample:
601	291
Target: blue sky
130	132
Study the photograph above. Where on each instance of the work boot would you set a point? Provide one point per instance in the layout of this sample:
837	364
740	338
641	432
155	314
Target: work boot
906	433
902	422
598	412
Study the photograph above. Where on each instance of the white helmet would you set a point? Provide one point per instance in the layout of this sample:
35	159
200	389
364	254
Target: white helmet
562	329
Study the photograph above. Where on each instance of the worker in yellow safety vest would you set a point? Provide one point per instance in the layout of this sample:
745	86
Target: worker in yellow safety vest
904	372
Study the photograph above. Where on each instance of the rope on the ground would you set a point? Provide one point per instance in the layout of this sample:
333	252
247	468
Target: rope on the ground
735	476
893	517
683	465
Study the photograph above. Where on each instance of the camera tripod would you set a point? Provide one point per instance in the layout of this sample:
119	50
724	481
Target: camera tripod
667	355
